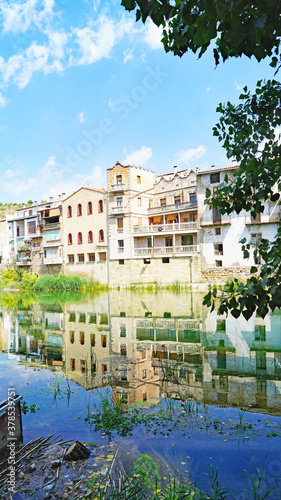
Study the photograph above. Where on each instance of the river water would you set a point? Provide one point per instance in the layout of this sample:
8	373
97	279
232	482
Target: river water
59	350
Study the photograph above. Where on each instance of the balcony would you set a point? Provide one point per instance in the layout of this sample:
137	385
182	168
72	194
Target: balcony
215	221
52	260
51	225
263	219
175	207
117	188
166	251
166	228
117	210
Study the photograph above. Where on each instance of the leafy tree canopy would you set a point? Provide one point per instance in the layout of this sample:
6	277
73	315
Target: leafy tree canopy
237	27
248	131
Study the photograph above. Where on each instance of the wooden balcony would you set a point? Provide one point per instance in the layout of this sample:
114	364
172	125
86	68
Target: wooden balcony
175	207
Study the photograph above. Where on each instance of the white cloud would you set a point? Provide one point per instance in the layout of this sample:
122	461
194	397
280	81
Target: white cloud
3	101
138	157
81	117
18	17
186	155
152	35
3	128
128	55
208	89
238	86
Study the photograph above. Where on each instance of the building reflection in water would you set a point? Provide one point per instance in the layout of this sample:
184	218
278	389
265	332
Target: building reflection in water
151	346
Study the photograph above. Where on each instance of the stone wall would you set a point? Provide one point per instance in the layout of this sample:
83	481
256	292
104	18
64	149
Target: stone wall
135	271
224	274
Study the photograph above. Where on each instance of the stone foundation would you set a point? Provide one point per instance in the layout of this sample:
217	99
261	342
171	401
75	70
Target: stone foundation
224	274
137	271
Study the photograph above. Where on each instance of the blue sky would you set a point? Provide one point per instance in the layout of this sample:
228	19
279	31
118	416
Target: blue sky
82	86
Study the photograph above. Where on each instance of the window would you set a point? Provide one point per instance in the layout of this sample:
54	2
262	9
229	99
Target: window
90	208
150	204
82	318
146	261
71	259
119	201
120	245
122	315
72	337
260	335
71	317
100	206
69	211
102	256
168	241
53	235
93	339
104	368
123	350
218	248
138	179
123	331
120	224
214	178
261	360
139	202
104	340
121	262
193	199
216	216
82	365
143	374
119	179
80	239
90	237
165	260
217	231
167	315
256	238
31	227
91	257
93	318
177	201
81	257
69	239
103	319
149	242
221	325
79	210
72	364
82	338
218	263
163	202
101	235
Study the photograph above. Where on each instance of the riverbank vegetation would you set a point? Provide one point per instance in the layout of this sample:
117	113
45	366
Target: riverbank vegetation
24	281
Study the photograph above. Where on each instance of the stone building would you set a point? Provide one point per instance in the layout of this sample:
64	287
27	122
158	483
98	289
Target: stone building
152	226
220	235
85	233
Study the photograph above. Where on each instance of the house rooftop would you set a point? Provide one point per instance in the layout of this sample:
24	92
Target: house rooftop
212	169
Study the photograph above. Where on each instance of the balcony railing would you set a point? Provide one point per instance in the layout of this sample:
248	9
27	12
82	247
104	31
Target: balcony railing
263	218
175	226
52	225
167	251
118	210
175	207
215	221
52	260
118	187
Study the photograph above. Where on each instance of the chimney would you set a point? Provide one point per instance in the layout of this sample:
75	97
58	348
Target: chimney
197	168
175	169
213	166
233	163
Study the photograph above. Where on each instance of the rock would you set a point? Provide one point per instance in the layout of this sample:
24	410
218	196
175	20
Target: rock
77	451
